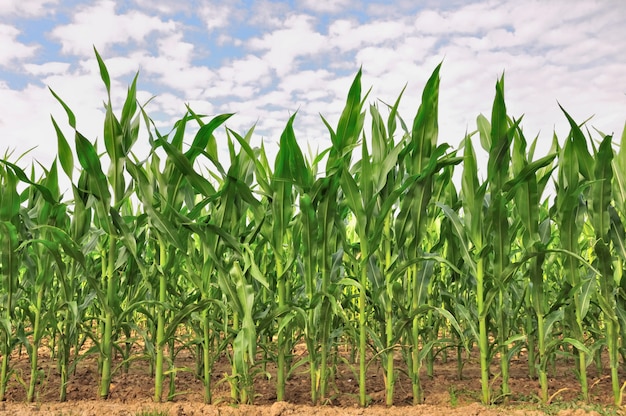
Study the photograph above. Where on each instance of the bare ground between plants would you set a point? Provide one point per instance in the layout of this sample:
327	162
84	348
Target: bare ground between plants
444	393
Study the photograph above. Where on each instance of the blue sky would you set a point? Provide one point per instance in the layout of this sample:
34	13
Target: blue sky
266	59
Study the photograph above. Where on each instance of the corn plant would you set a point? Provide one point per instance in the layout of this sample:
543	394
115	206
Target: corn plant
529	209
289	171
44	265
9	212
423	160
575	164
383	167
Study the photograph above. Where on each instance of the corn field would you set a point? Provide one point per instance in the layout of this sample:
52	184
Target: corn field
369	244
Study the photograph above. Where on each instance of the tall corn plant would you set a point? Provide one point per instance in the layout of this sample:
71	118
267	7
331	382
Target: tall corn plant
527	197
109	191
206	241
599	213
163	194
77	297
510	177
44	266
167	239
422	161
237	272
472	241
361	198
306	236
324	201
384	159
575	169
15	224
289	170
9	239
617	231
500	140
364	192
530	179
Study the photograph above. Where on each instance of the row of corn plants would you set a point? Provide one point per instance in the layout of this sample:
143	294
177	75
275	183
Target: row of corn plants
379	250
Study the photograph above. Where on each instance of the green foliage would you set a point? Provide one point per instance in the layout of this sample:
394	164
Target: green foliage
381	250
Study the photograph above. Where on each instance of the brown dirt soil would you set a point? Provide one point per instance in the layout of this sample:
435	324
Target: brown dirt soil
445	394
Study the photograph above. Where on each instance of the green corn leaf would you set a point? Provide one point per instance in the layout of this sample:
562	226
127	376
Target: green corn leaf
388	164
89	160
391	120
204	137
578	345
528	172
104	73
182	315
130	104
499	152
588	288
578	142
601	188
459	231
425	129
619	175
71	118
9	197
380	141
62	238
199	183
473	194
113	142
66	156
301	173
549	321
617	233
353	195
252	267
45	192
484	130
348	127
9	240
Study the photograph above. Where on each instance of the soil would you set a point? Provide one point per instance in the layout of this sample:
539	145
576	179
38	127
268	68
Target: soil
444	394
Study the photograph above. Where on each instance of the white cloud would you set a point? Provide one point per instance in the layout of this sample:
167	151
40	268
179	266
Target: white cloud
173	66
297	38
248	70
216	15
182	77
224	39
306	81
175	49
12	50
325	6
49	68
572	52
28	8
348	35
120	65
268	14
25	121
92	25
163	6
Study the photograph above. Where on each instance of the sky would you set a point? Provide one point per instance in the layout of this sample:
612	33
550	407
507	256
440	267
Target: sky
266	59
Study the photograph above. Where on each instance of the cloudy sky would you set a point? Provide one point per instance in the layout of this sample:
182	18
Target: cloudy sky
266	59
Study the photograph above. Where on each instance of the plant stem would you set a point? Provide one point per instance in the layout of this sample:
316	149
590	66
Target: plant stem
158	379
